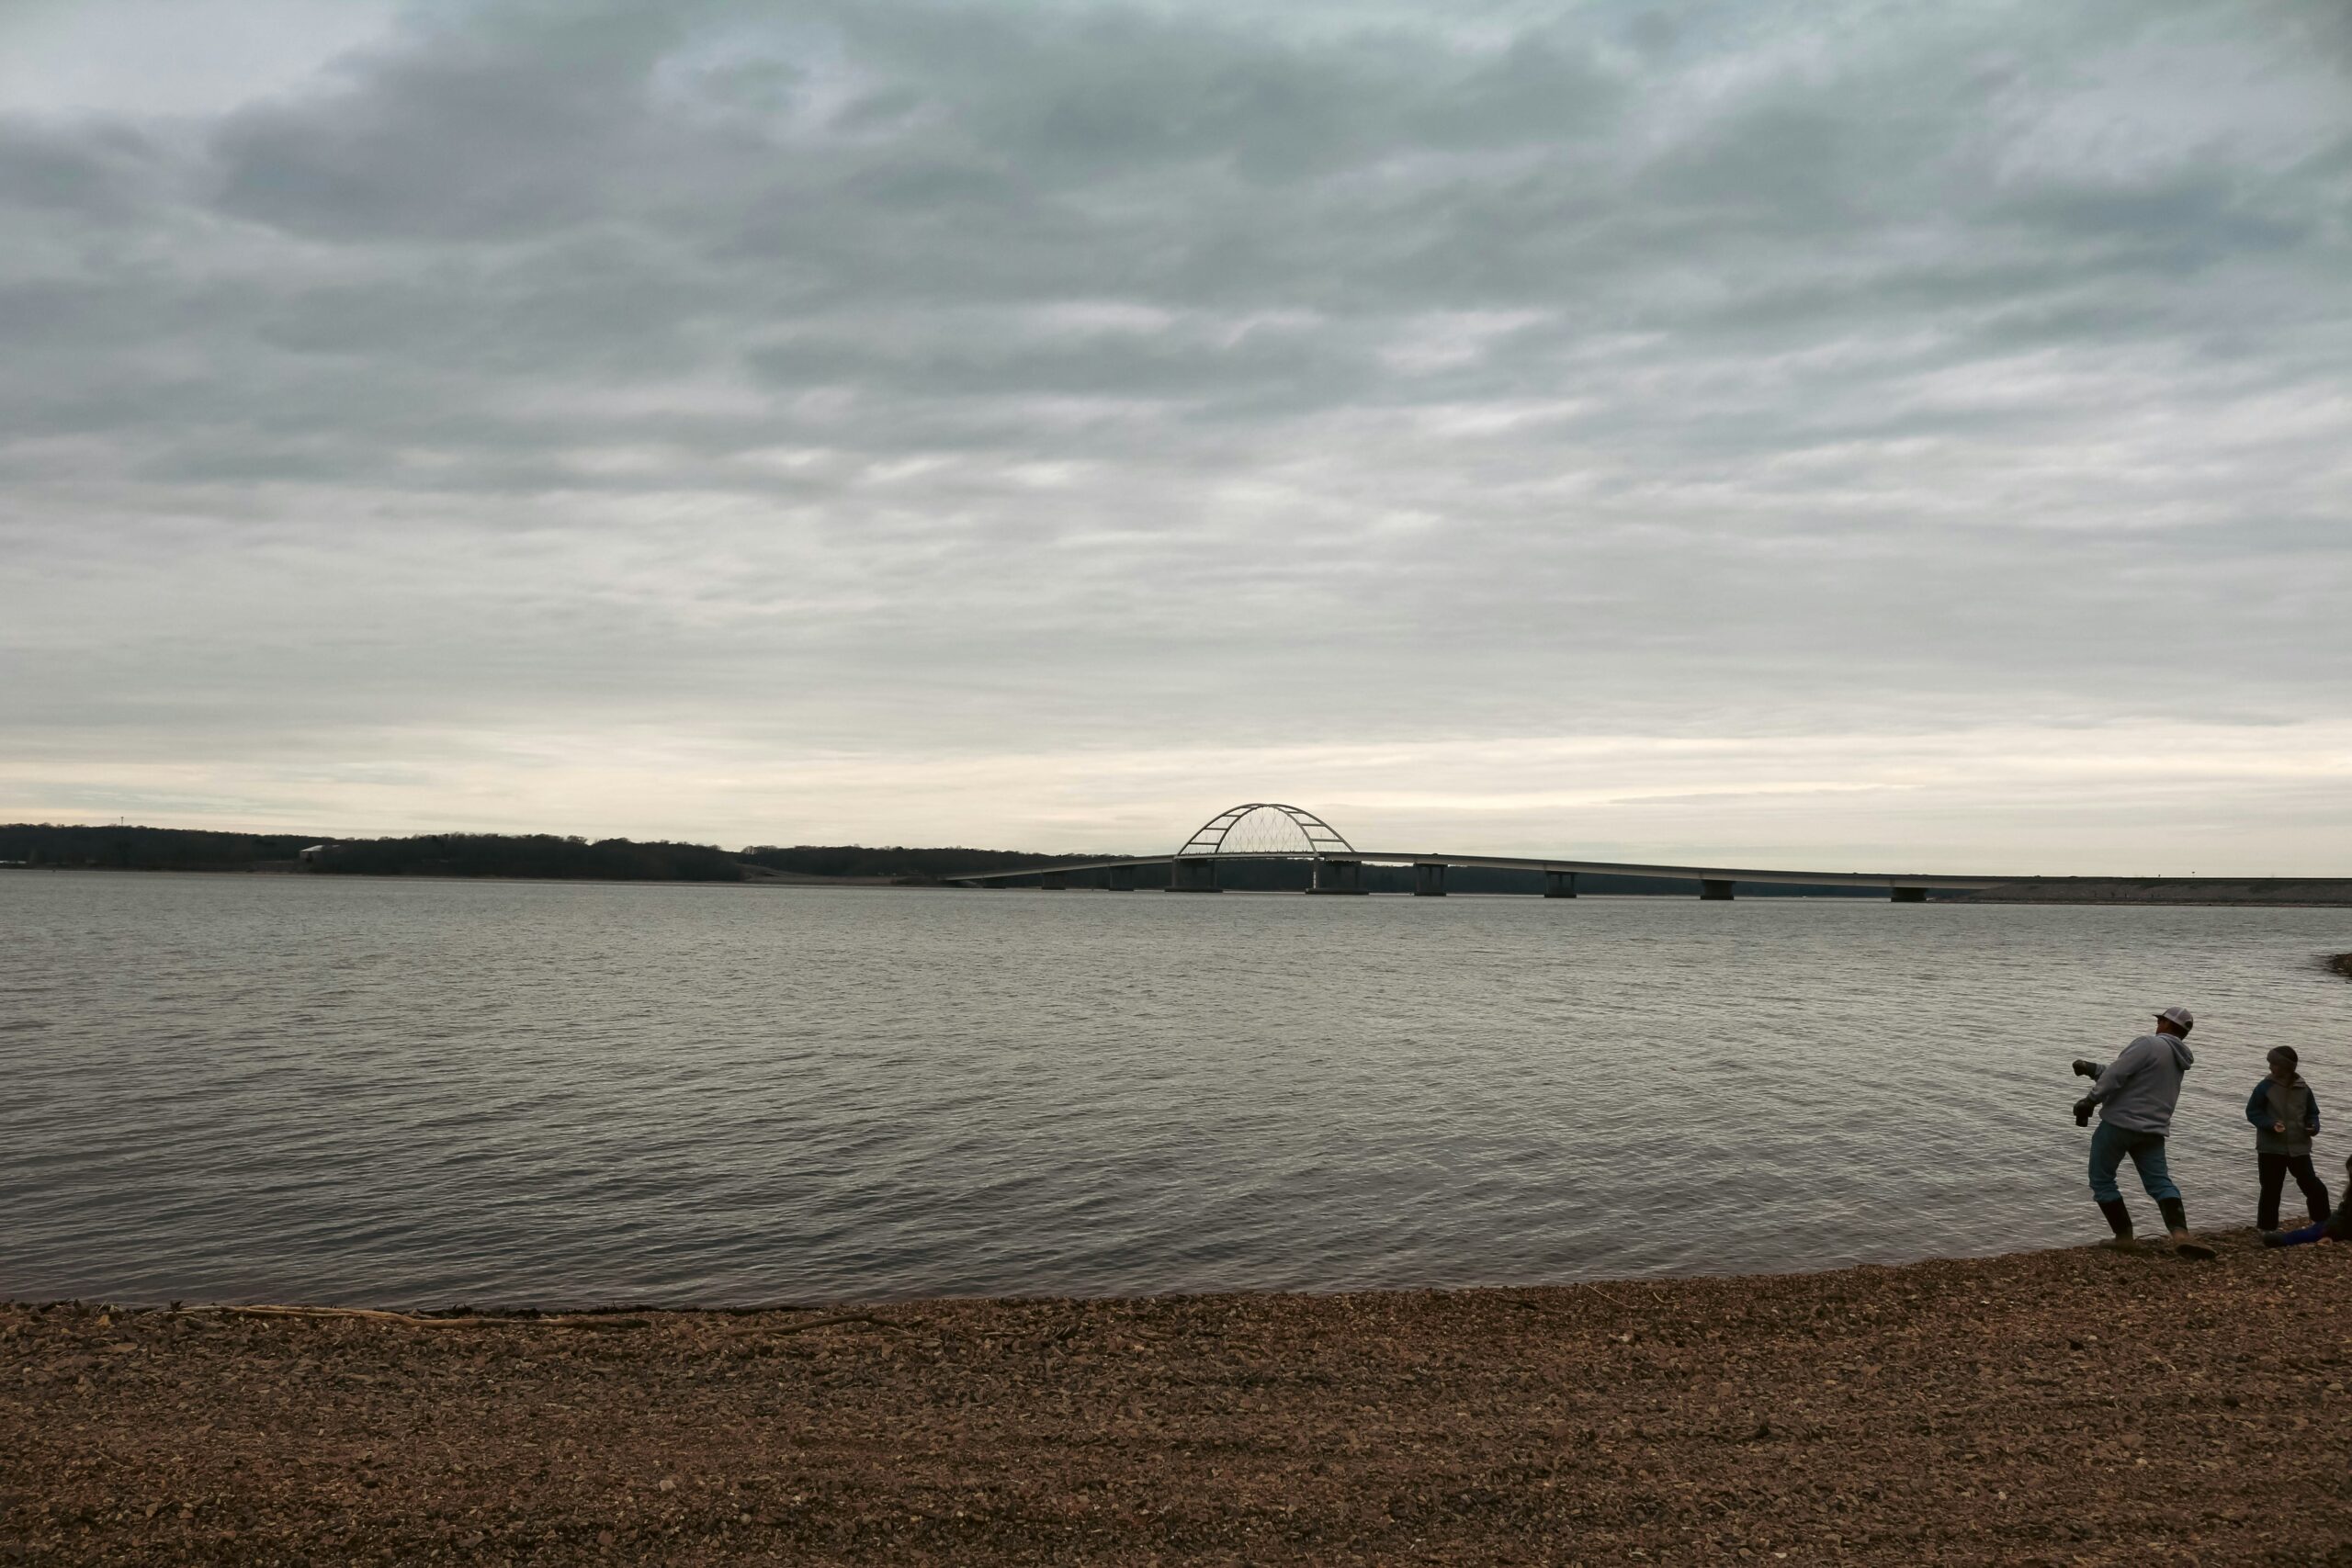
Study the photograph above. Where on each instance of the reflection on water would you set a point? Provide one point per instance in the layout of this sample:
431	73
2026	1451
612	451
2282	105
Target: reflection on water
430	1092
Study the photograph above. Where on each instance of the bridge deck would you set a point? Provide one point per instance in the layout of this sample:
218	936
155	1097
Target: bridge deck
1525	863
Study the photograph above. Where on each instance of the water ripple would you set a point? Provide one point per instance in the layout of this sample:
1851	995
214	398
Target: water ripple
419	1092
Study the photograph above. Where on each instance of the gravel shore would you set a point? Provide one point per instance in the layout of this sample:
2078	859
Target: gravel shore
2076	1407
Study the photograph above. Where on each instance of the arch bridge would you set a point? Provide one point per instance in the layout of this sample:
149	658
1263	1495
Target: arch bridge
1274	831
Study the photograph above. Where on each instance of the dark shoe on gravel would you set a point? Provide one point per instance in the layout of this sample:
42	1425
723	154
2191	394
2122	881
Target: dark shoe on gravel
2196	1249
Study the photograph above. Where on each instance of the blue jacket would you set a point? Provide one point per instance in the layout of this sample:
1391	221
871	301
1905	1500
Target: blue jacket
2270	1104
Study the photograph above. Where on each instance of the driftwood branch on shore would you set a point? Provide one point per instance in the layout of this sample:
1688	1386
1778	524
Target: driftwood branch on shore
420	1320
837	1321
591	1320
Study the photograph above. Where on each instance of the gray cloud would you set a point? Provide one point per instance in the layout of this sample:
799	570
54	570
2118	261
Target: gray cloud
922	381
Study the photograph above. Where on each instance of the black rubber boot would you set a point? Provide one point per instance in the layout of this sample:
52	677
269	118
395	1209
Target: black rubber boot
2177	1221
2119	1219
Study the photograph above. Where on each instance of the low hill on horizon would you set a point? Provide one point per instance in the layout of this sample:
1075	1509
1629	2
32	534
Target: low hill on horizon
127	846
548	856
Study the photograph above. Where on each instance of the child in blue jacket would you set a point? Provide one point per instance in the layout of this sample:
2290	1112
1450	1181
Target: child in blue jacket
2285	1114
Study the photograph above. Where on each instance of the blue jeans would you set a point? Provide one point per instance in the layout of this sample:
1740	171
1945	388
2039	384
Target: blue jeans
2110	1143
2302	1237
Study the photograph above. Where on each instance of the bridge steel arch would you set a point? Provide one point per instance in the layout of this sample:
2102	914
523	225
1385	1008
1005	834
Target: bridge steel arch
1338	868
1316	837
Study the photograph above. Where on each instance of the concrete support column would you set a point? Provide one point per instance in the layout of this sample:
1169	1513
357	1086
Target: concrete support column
1907	894
1054	882
1193	876
1119	879
1559	884
1429	879
1715	889
1338	877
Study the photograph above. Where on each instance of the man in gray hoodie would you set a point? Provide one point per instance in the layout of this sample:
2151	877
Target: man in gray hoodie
2135	1095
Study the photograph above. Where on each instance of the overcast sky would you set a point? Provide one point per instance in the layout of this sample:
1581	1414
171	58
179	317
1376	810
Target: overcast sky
1830	434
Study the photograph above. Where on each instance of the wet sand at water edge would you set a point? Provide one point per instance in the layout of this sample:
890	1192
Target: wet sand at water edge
2061	1407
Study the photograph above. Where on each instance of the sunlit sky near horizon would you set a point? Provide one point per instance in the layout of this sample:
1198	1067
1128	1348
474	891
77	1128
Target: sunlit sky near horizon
1829	434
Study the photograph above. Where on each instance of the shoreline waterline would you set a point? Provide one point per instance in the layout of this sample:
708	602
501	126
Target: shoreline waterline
522	1312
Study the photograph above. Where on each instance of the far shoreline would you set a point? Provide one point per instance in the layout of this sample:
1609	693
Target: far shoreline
2082	893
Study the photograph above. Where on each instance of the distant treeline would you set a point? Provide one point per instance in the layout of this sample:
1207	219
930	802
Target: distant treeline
920	865
146	849
428	854
528	854
479	854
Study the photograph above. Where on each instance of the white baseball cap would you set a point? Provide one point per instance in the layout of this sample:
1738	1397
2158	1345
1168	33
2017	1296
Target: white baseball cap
2180	1016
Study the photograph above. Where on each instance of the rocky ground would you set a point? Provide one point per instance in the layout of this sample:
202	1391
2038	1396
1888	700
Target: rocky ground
2059	1407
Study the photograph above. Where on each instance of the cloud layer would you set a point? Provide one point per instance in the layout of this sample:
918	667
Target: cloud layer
1814	429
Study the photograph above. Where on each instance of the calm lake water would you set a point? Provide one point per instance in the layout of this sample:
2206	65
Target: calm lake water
421	1092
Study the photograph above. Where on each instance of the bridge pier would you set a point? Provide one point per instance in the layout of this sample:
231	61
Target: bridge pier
1429	879
1907	894
1054	882
1193	876
1559	884
1119	879
1338	877
1715	889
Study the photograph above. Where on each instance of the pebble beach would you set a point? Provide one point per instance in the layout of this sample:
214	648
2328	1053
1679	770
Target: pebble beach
2062	1406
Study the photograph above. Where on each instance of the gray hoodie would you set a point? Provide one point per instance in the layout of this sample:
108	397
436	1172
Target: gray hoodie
2139	1088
